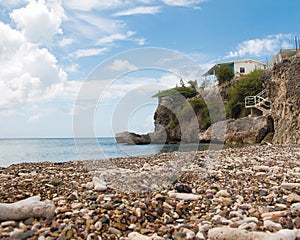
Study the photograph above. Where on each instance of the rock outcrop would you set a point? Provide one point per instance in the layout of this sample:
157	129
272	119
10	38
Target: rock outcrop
283	86
248	130
132	138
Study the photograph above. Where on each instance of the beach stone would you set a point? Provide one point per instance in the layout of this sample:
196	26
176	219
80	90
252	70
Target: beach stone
114	231
20	235
270	215
296	209
271	226
99	184
137	236
93	236
290	186
200	236
184	196
27	208
98	225
280	206
293	197
179	236
240	234
189	234
89	185
76	205
222	193
8	224
181	188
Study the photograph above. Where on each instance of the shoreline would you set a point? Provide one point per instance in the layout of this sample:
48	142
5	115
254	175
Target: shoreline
240	190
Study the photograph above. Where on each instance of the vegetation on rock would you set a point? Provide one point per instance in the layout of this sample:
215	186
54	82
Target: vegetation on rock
248	85
224	74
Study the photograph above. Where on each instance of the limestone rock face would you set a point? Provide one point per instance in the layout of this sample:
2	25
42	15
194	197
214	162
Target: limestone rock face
246	130
132	138
283	86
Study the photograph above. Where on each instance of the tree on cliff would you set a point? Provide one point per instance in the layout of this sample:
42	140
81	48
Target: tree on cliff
224	74
248	85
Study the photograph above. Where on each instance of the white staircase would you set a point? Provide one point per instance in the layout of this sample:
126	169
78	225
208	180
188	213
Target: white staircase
260	101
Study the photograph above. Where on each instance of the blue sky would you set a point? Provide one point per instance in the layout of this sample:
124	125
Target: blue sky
48	49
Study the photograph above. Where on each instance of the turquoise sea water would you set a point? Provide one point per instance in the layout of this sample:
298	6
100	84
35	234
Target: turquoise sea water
13	151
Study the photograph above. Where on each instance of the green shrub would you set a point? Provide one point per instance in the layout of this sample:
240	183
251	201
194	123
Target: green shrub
224	74
187	92
248	85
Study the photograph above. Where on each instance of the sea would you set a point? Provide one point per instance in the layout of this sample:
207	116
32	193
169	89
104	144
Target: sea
14	151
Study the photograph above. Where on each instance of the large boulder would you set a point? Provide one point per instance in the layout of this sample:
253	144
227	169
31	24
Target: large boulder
283	86
248	130
132	138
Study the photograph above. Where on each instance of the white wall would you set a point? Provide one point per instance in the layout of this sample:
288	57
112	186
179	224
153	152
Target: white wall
248	65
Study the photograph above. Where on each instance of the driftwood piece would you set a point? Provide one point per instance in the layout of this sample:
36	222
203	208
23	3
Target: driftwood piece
31	207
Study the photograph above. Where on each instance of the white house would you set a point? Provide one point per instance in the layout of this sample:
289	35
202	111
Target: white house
284	54
239	67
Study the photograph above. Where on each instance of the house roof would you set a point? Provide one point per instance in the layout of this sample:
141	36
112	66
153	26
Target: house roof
283	53
212	70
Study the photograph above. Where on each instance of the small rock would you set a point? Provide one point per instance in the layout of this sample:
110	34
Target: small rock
189	234
200	236
181	188
115	231
56	182
280	206
222	193
132	226
146	167
99	184
290	186
295	209
184	196
89	186
98	225
293	197
8	223
179	236
76	205
270	215
271	226
29	221
93	236
20	235
137	236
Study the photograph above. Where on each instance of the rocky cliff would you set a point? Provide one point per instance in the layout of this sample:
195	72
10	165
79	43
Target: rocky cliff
248	130
283	86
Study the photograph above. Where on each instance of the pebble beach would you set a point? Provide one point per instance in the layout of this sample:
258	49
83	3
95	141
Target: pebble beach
243	193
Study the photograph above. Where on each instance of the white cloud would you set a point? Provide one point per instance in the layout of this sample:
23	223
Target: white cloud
65	42
122	65
27	72
72	68
88	5
12	3
140	41
262	46
38	22
183	3
34	118
88	52
138	10
115	37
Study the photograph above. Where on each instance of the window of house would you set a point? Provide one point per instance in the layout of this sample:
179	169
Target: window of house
242	70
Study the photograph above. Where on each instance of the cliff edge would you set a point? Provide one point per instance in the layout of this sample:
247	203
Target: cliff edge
283	86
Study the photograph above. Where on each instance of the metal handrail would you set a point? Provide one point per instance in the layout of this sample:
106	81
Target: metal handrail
258	100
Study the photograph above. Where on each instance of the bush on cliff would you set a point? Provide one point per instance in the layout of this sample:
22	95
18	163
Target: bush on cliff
224	74
248	85
187	92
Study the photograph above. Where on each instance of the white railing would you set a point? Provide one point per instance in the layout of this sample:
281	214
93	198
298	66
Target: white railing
260	100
